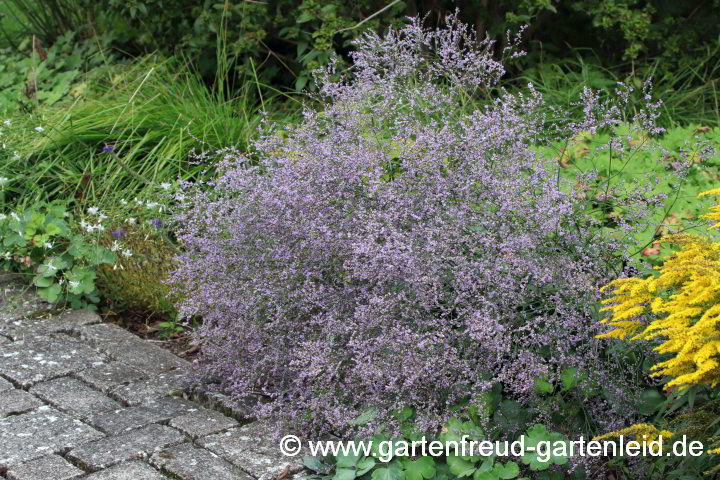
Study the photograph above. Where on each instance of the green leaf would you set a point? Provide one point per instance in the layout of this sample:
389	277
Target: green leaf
42	282
305	17
542	386
367	416
419	469
460	467
347	461
344	474
569	378
314	464
393	472
364	465
506	471
50	294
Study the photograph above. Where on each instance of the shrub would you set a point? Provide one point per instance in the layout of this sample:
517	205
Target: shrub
401	249
135	283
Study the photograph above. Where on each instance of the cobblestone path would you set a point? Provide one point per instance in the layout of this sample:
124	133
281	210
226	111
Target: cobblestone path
87	400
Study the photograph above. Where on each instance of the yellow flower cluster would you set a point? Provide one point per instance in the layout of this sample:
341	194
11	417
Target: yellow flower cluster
680	304
643	433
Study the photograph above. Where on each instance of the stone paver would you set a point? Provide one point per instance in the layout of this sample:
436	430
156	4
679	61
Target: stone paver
126	419
128	471
40	432
161	385
145	356
109	375
251	448
5	385
16	401
73	396
203	422
188	462
135	444
27	362
45	468
87	400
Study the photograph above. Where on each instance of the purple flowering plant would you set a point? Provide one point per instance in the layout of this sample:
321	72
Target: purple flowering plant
402	247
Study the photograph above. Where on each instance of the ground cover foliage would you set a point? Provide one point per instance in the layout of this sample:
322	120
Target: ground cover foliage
400	256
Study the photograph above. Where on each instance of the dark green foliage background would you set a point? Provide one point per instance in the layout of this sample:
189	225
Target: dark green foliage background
286	39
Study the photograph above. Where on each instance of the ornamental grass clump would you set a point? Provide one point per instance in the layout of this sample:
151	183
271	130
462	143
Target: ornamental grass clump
401	247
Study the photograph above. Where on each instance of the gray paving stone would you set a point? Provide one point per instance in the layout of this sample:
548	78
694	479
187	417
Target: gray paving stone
16	401
134	470
31	361
108	375
39	433
18	302
134	444
74	397
203	422
105	333
143	355
49	467
161	385
251	448
191	463
4	384
126	419
4	340
39	326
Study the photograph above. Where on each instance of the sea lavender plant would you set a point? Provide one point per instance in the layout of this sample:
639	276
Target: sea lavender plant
398	248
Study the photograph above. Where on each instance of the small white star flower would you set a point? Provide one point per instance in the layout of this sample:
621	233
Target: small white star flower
127	253
7	123
48	245
39	129
74	283
165	186
131	221
115	246
93	210
123	202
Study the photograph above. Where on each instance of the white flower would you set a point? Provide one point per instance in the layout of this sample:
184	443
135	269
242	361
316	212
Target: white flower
7	255
138	201
51	267
152	204
39	129
83	224
131	221
4	180
48	245
15	216
92	210
165	186
115	246
102	216
123	202
3	216
99	227
7	123
16	156
127	253
74	283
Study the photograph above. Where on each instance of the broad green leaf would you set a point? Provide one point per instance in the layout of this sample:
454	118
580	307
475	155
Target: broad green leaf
392	472
344	474
420	469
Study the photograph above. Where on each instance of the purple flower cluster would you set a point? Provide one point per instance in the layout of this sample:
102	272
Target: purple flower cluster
395	248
